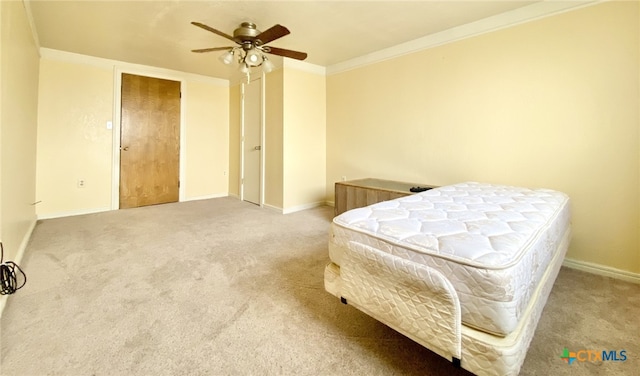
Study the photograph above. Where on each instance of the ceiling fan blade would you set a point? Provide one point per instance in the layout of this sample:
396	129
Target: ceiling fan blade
273	33
212	49
286	53
208	28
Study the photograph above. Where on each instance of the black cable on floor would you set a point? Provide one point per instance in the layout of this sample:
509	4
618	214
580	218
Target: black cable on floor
8	276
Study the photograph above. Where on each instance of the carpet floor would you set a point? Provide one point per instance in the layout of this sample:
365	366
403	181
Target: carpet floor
223	287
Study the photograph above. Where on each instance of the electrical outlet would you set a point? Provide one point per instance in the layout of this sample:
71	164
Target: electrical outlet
80	183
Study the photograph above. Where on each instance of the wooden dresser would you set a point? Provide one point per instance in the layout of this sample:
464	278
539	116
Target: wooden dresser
363	192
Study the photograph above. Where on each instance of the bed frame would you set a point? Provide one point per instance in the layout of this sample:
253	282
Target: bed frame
421	303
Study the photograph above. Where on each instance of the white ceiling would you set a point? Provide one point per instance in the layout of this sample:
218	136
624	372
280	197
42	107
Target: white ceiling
159	33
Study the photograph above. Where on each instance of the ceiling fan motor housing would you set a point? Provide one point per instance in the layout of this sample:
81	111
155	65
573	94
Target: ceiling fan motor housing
246	35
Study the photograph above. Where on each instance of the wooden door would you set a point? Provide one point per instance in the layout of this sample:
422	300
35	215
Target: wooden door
252	141
149	141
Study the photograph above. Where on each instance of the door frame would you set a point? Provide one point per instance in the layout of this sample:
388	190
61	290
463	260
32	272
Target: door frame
117	108
262	139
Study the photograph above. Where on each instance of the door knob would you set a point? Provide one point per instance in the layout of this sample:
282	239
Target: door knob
257	147
126	148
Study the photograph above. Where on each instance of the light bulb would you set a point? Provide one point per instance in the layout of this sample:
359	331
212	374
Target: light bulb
253	58
227	57
267	65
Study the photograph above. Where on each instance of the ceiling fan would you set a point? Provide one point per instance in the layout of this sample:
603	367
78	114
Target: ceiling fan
252	47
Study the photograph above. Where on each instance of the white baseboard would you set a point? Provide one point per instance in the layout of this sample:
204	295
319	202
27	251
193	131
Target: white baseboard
18	259
602	270
207	197
73	212
104	209
273	208
303	207
295	208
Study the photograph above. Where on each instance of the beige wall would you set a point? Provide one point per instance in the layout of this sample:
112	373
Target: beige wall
551	103
304	139
18	124
207	140
273	151
76	102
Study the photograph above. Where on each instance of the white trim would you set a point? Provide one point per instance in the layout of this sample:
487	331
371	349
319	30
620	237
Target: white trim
70	57
263	128
115	142
182	163
207	197
241	174
602	270
273	208
25	241
32	24
296	208
331	203
18	259
3	302
303	207
304	66
501	21
71	213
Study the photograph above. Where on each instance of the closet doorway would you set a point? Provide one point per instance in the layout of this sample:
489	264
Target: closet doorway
252	142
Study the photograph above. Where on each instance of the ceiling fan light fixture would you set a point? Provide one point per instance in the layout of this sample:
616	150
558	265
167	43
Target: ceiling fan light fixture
251	46
267	65
227	57
253	57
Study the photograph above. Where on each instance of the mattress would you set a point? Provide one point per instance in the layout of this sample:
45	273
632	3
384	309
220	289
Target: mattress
439	329
493	243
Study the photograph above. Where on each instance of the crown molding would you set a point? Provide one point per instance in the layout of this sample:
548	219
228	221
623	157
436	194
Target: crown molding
70	57
501	21
32	24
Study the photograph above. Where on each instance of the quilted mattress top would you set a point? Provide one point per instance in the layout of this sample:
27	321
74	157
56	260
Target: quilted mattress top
476	224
